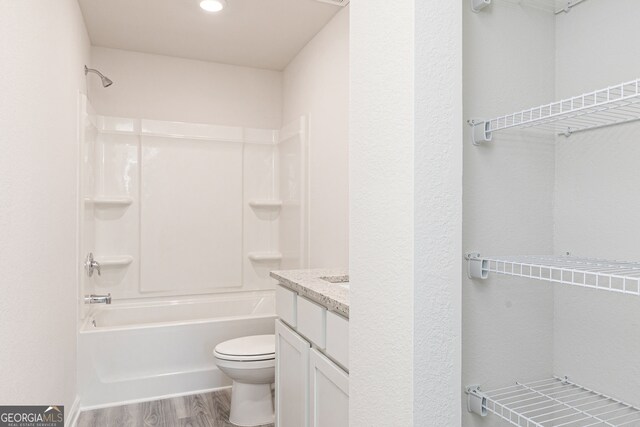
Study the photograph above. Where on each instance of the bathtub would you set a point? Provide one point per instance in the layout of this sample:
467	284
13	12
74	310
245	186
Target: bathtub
133	352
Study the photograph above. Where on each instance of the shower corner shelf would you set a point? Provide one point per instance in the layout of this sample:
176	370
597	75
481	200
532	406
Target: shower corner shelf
602	108
265	203
114	260
614	276
264	256
107	201
555	401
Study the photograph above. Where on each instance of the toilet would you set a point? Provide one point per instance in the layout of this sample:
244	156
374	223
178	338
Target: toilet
250	363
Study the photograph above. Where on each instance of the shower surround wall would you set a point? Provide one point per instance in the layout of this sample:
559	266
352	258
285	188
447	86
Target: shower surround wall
175	209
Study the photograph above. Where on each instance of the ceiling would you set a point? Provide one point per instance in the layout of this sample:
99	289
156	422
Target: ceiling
255	33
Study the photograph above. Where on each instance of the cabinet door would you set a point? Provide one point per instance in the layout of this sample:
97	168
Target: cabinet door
292	378
329	395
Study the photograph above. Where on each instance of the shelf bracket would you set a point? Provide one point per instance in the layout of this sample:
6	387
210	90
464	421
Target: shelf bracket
476	401
478	5
567	133
568	6
477	268
480	131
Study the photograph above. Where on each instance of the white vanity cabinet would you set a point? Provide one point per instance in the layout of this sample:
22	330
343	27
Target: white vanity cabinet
292	377
329	395
312	384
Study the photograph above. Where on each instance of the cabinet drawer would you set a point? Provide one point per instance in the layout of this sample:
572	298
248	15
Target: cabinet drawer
338	338
311	321
286	305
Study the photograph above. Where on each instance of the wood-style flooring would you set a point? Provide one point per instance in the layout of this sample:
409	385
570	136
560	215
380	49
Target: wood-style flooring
198	410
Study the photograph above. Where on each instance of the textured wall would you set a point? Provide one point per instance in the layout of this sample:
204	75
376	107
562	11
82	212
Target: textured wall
405	211
437	213
316	84
508	198
43	47
597	334
167	88
381	175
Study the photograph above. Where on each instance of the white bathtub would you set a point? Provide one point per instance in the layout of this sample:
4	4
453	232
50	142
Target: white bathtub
140	351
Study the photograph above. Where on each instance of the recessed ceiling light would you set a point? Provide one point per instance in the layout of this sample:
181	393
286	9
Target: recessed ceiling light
213	5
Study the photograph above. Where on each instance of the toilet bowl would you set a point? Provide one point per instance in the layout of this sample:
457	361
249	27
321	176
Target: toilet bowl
250	363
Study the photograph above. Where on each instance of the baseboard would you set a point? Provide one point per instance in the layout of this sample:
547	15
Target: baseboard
73	413
150	399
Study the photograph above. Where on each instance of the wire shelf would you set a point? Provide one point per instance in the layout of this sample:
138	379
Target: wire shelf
606	107
555	402
614	276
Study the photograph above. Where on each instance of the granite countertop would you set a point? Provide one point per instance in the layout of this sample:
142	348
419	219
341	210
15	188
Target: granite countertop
329	288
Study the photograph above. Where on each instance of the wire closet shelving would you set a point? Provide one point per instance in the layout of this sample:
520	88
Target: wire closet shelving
555	402
606	107
614	276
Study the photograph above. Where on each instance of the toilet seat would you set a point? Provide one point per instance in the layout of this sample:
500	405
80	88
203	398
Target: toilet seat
246	365
247	349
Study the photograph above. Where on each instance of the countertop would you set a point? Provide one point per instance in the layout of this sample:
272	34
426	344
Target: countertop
329	288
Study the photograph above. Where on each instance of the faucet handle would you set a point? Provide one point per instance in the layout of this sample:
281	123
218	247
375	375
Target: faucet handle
97	299
90	264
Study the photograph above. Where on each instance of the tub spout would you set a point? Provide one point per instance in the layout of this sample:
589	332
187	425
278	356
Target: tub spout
97	299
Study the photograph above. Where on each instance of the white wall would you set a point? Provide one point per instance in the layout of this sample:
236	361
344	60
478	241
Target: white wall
404	154
508	198
437	213
316	85
597	334
43	47
166	88
381	240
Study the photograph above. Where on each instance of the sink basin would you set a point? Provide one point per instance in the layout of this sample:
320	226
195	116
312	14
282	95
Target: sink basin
342	281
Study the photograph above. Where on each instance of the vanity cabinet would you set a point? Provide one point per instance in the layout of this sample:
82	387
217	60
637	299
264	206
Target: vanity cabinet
312	384
329	392
292	377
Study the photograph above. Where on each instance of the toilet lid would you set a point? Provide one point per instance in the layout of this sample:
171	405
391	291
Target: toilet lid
255	347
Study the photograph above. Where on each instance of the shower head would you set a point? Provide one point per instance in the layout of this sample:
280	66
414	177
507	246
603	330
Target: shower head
106	81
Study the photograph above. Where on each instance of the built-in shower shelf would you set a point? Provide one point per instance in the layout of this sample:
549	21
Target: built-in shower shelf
614	276
553	402
606	107
106	201
265	256
266	203
114	260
